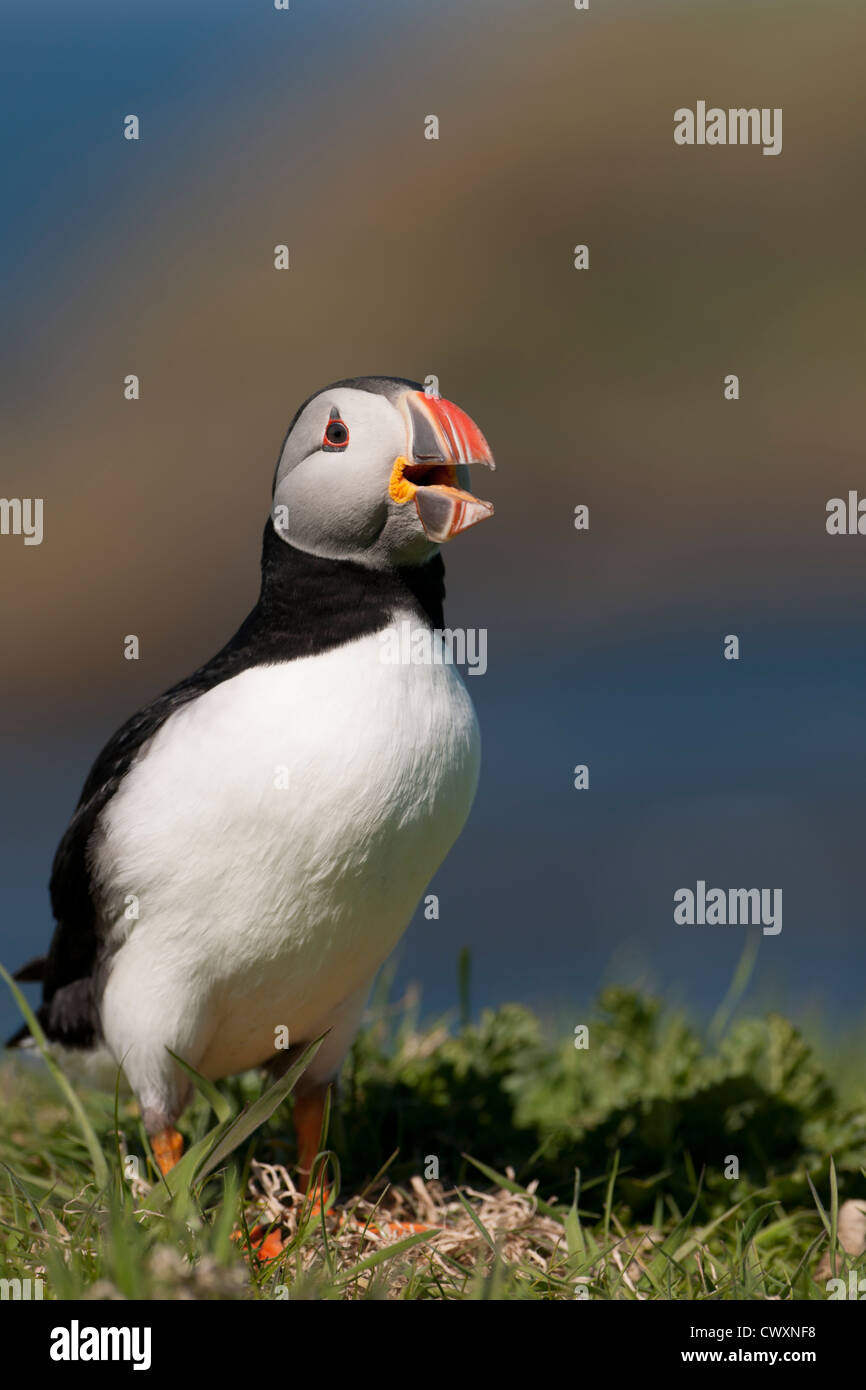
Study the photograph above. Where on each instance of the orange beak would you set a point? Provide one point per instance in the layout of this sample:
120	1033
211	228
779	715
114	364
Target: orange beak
443	439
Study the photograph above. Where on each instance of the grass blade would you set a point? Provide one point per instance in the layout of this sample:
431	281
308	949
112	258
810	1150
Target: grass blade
471	1212
94	1148
249	1120
379	1256
214	1097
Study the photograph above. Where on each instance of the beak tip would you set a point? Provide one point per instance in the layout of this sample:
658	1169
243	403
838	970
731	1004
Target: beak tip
445	511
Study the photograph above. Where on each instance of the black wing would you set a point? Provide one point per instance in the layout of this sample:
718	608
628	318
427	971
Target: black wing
69	1010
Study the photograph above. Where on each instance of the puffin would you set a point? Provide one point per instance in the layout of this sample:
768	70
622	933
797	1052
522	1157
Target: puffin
249	847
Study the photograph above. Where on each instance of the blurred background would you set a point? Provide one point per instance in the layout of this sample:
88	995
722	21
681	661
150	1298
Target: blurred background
602	387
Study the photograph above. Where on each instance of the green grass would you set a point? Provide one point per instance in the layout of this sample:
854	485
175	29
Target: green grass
562	1173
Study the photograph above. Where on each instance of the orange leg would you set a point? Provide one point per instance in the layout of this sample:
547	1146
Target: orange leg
167	1149
309	1116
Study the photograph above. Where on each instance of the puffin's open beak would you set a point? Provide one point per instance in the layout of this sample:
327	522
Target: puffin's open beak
442	438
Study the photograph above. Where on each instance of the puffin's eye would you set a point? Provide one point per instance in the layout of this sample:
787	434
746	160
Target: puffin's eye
336	434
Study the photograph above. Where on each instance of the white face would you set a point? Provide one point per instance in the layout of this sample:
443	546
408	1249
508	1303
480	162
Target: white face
350	479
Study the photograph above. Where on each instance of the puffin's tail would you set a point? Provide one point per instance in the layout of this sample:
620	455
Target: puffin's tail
32	971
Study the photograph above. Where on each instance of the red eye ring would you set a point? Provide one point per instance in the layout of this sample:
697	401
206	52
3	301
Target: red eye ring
336	436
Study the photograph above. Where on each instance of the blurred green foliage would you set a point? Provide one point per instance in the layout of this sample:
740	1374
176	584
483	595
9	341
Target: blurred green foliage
648	1087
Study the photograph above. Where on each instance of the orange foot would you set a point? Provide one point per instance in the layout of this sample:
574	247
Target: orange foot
407	1228
265	1247
321	1197
167	1149
399	1228
390	1228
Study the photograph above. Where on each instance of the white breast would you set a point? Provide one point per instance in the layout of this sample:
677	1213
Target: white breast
277	834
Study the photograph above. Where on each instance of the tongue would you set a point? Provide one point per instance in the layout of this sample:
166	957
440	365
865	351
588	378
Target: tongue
446	510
